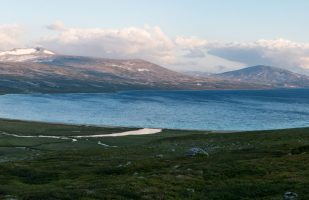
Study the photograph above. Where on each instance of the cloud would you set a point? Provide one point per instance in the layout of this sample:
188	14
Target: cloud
280	52
56	26
178	53
191	42
147	43
194	47
195	53
10	36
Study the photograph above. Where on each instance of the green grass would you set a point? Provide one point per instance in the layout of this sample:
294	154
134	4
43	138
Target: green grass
248	165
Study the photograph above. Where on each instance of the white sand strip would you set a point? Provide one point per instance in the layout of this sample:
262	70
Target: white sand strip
144	131
105	145
36	136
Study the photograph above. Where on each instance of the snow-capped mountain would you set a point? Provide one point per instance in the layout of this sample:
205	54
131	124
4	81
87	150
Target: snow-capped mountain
40	70
25	55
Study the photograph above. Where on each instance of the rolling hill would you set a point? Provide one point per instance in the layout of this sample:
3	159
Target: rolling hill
39	70
267	75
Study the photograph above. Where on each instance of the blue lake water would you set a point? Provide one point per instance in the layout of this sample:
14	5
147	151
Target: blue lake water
200	110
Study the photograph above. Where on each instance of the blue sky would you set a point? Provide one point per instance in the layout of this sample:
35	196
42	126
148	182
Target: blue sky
221	19
241	21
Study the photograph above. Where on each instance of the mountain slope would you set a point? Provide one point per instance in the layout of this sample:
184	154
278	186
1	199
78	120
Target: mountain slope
39	70
198	74
23	55
267	75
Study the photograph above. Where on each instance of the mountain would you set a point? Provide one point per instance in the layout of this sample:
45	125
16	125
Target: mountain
267	75
198	74
22	55
39	70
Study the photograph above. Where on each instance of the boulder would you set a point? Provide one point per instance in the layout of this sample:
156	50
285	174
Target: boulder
290	196
194	151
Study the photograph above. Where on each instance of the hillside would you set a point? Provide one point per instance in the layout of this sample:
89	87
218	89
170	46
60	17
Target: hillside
272	76
250	165
40	70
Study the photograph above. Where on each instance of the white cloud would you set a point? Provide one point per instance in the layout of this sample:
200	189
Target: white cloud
147	43
194	47
10	36
191	42
57	25
280	52
180	53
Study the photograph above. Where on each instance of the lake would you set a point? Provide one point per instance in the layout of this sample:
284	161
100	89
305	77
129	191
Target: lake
198	110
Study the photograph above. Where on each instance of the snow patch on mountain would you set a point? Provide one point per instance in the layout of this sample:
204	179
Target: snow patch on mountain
18	52
23	55
143	70
26	51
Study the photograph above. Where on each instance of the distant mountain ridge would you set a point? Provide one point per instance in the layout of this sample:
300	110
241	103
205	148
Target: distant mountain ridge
198	74
39	70
271	76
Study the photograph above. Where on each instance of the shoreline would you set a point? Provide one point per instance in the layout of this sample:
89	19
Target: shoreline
144	131
135	128
152	90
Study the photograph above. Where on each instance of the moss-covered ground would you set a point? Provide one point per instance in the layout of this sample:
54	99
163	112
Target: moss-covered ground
244	165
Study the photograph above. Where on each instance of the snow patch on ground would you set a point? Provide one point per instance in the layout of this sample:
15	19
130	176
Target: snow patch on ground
37	136
143	70
121	66
105	145
144	131
48	52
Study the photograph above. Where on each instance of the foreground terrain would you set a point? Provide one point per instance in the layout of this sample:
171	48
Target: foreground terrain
247	165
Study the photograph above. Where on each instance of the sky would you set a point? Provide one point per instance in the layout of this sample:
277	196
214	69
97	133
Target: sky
185	35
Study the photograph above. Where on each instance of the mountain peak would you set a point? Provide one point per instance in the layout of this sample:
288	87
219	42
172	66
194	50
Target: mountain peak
265	67
26	51
25	54
268	75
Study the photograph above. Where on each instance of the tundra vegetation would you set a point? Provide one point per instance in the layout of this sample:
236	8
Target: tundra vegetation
244	165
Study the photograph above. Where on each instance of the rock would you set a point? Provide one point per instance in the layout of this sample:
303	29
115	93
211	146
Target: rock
190	190
194	151
9	197
124	165
200	172
128	163
159	156
290	196
176	166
